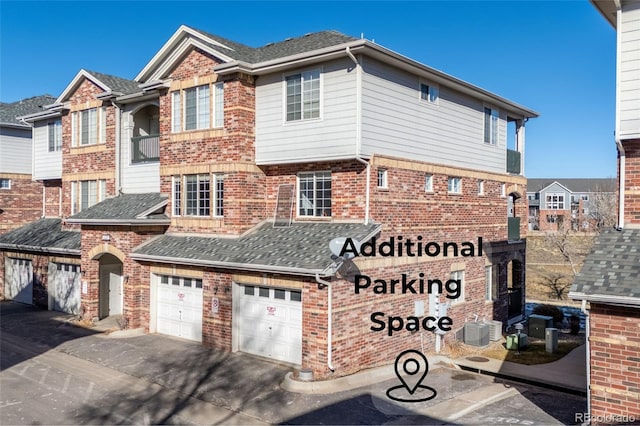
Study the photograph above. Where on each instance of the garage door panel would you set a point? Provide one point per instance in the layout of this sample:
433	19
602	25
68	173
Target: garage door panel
65	284
179	307
19	280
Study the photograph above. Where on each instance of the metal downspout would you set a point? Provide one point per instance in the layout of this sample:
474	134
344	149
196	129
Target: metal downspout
587	325
118	183
617	131
359	131
329	304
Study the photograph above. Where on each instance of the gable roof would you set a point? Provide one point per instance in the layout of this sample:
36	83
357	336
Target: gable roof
43	235
301	249
573	184
611	272
126	209
9	111
109	83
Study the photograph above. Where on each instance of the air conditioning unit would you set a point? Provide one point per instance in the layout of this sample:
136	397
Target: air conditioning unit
538	324
476	334
495	330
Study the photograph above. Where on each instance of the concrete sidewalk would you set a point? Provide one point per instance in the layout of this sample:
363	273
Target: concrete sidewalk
569	373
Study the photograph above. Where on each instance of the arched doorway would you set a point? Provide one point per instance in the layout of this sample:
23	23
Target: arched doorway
110	297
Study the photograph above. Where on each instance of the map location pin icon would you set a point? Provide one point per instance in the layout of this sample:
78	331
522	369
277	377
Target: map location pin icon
411	368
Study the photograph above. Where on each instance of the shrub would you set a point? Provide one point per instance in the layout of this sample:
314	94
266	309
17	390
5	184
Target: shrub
574	324
550	311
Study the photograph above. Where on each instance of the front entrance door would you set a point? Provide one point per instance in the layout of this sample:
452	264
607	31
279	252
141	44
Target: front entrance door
110	286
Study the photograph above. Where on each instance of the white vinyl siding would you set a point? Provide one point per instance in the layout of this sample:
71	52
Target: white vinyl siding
331	137
452	134
137	178
16	150
629	64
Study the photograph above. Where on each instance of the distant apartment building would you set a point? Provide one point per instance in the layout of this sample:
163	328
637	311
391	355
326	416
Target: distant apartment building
558	203
198	199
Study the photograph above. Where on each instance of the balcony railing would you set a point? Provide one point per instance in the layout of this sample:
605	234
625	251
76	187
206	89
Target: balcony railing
513	226
145	149
513	162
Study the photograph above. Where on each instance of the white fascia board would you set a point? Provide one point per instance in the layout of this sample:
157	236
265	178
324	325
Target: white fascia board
40	115
76	81
606	299
558	183
166	56
227	265
153	208
120	222
51	250
137	97
309	159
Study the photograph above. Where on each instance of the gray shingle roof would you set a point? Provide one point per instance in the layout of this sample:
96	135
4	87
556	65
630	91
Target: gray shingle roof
117	84
291	46
574	184
302	247
126	208
44	235
613	266
9	111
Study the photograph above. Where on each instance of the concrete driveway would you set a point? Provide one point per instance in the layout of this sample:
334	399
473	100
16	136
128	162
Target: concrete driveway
56	373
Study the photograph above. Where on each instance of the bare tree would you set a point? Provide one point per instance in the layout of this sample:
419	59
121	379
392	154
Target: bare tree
603	204
557	282
572	248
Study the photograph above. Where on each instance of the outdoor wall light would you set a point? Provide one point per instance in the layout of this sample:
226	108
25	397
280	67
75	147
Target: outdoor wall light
106	237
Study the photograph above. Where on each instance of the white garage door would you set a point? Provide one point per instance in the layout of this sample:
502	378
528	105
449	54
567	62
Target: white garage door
18	279
269	322
179	310
64	287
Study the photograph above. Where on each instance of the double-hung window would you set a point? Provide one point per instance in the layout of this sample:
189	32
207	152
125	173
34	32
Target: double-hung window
55	135
89	127
86	193
314	195
454	185
192	108
382	178
428	183
491	126
198	195
303	95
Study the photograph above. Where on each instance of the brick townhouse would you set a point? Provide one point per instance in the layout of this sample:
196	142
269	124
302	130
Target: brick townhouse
199	198
20	194
609	283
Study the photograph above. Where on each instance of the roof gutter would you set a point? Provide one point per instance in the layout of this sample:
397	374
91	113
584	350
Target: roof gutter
54	250
609	300
120	222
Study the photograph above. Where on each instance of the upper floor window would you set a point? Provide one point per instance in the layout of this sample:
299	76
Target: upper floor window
303	95
555	201
89	127
55	135
584	197
314	195
428	183
5	183
193	108
202	195
491	126
429	93
455	185
86	193
382	178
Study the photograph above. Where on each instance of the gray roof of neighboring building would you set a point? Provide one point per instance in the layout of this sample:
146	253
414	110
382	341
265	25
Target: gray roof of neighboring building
574	184
117	84
9	111
129	208
611	272
288	47
43	235
302	248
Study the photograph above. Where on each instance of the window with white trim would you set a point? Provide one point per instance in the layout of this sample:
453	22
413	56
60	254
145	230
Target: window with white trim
480	187
194	107
503	190
428	183
429	93
5	183
303	96
198	195
459	277
555	201
55	135
491	117
89	126
490	280
382	178
454	185
314	194
86	193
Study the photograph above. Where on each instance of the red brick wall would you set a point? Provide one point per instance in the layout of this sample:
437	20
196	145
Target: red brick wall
21	204
563	217
615	361
632	182
53	190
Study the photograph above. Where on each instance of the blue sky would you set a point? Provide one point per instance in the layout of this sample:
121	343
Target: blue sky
556	57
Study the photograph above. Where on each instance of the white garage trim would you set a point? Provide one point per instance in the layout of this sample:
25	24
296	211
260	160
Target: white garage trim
18	279
267	321
176	306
